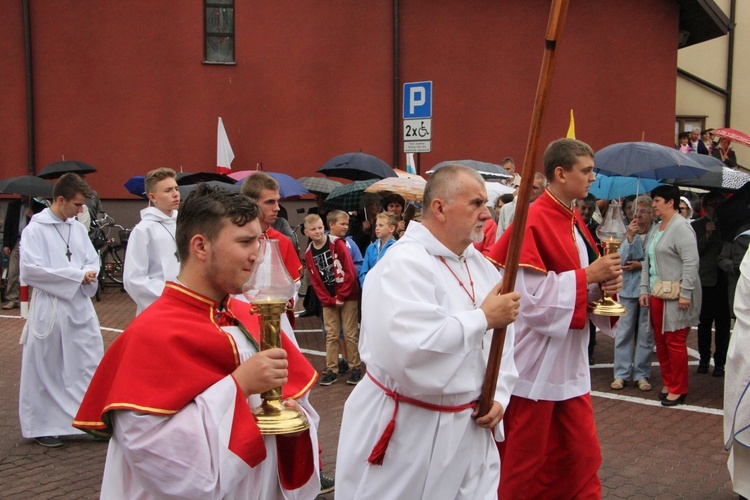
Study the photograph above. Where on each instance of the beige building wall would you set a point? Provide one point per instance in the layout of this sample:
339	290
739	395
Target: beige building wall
708	60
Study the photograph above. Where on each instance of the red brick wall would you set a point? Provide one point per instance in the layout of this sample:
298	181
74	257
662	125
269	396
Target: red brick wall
122	86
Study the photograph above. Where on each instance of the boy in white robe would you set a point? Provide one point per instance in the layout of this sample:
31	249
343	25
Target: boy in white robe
151	258
426	310
62	342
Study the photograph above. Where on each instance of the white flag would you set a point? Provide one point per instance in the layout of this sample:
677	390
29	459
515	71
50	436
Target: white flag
224	153
410	165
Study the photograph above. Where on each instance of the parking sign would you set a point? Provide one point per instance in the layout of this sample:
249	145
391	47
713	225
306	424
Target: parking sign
418	100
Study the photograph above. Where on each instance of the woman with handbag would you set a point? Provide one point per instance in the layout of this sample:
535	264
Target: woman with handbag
671	288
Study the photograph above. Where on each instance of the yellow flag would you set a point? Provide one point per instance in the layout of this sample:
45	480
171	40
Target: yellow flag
572	127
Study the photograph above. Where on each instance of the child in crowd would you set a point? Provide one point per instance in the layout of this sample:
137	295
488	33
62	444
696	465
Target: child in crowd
338	225
385	225
333	278
684	142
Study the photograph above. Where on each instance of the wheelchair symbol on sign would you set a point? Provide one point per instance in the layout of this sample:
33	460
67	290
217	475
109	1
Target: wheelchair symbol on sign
417	132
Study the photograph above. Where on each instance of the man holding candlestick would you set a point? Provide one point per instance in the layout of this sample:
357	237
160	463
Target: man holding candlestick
551	447
176	390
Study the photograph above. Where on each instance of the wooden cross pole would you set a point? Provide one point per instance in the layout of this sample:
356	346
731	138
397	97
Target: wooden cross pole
558	12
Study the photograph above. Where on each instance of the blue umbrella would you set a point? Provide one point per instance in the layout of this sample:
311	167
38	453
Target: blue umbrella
137	186
607	187
288	185
646	160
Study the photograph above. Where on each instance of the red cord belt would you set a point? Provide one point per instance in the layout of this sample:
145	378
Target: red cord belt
378	451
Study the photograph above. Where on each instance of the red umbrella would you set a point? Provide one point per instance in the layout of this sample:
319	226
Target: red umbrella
733	134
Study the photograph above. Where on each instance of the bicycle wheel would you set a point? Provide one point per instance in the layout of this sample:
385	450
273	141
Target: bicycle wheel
113	264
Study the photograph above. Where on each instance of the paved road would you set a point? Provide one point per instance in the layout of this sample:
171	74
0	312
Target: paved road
649	451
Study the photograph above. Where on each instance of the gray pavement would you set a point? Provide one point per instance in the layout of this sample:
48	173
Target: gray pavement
648	451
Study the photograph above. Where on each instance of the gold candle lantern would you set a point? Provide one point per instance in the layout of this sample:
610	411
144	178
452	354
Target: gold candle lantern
611	233
269	289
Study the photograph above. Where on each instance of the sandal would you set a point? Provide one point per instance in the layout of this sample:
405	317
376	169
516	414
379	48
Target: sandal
617	384
644	385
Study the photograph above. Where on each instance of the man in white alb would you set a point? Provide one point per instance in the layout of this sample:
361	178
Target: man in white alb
62	342
151	258
409	428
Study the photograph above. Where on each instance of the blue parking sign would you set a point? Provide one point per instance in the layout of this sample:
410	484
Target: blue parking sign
418	100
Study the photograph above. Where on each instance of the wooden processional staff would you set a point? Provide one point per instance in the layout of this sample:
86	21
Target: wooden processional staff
558	12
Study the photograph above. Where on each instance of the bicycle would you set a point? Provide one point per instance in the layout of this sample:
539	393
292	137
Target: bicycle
111	252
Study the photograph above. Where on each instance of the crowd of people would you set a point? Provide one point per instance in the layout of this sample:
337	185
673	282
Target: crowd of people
406	295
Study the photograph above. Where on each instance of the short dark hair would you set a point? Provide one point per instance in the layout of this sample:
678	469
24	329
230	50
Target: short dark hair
590	198
206	211
667	192
505	198
394	198
564	153
69	185
257	182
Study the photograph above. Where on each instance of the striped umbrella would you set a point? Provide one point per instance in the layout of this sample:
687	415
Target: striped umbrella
319	184
410	189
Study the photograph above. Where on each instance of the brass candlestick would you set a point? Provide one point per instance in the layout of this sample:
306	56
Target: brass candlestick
272	416
611	232
268	290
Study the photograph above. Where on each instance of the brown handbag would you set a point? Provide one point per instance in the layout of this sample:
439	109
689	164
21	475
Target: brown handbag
666	290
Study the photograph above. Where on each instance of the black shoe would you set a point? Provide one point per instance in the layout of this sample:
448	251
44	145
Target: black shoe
49	441
663	395
674	402
355	377
702	368
329	378
343	367
327	484
306	314
718	372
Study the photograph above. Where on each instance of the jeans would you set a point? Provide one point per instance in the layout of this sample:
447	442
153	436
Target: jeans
634	343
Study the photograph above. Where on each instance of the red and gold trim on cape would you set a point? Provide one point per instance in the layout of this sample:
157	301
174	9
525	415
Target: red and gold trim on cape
171	353
549	244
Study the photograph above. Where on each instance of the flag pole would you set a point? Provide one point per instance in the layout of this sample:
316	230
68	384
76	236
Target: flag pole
558	12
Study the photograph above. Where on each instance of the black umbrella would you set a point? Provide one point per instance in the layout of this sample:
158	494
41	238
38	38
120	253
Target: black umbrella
57	169
186	178
486	170
28	185
357	167
185	190
717	178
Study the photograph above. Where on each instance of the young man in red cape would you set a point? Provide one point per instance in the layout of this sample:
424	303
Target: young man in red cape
551	448
264	190
175	391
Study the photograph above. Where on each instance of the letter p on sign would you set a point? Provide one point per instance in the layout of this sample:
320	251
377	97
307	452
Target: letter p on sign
418	100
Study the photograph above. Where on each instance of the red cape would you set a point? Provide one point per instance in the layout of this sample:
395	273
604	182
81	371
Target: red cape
549	244
173	352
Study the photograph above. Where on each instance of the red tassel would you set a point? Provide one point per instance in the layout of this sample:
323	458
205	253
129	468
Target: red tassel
378	451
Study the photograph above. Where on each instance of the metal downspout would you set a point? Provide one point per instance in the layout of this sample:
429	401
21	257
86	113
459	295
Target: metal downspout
29	88
730	65
396	85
